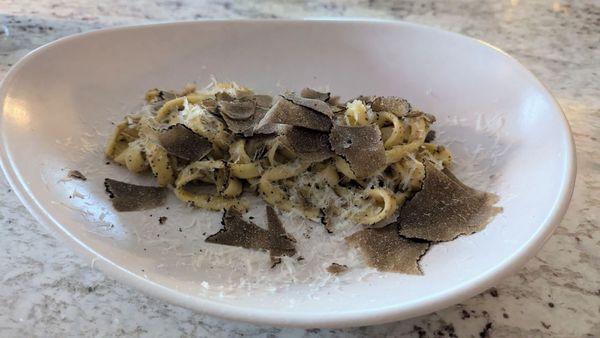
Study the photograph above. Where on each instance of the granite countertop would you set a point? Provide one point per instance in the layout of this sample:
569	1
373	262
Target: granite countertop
46	290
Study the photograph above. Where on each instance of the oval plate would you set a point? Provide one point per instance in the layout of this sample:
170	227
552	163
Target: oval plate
508	135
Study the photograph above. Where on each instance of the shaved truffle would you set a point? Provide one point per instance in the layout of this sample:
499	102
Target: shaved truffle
392	104
287	112
308	144
361	146
241	116
181	141
445	208
238	109
314	104
337	269
198	187
264	101
385	250
131	197
310	93
210	105
237	232
430	137
256	146
76	174
238	115
280	243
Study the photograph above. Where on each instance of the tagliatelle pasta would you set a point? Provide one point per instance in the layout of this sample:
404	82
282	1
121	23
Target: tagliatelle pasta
366	166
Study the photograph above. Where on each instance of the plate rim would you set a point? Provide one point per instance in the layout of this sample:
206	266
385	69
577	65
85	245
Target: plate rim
381	315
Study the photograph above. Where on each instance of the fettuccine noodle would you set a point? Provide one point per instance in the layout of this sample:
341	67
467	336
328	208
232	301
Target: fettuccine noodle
309	185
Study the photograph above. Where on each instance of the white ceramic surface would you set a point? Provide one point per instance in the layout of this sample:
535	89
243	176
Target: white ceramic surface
507	132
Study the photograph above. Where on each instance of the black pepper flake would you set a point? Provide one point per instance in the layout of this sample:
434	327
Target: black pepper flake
551	304
546	326
505	315
465	315
180	230
494	292
162	219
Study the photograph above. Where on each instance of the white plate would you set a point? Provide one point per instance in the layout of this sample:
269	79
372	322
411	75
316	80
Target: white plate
507	132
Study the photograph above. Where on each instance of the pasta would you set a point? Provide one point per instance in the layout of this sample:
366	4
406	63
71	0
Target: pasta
367	159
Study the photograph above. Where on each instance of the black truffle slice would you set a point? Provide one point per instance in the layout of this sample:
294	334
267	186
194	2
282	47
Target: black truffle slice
237	109
385	250
131	197
430	137
241	116
445	208
237	232
310	93
210	105
395	105
198	187
361	146
287	112
314	104
181	141
256	146
264	101
266	129
308	144
76	174
337	269
280	242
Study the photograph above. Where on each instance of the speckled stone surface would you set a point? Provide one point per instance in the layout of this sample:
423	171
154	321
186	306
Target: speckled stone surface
46	290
